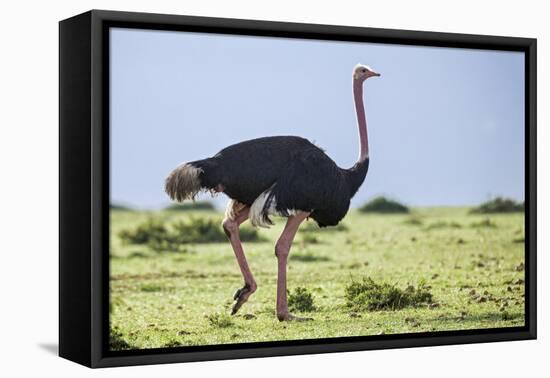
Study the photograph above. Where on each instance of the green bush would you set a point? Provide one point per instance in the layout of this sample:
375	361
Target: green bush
309	239
301	300
187	206
219	320
159	236
413	221
151	288
201	230
250	234
369	295
498	205
308	257
487	222
384	205
443	224
117	341
150	230
198	230
172	343
119	206
314	227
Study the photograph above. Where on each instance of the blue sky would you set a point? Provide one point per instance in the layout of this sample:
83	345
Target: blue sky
446	126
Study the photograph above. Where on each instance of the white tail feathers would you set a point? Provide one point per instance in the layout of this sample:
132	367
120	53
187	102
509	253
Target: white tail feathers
259	211
183	182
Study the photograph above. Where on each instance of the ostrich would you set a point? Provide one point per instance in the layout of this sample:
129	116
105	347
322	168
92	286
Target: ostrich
285	176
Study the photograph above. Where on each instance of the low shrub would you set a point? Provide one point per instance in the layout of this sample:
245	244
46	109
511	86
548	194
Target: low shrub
443	224
301	300
498	205
188	206
119	206
172	343
384	205
198	230
369	295
202	230
413	221
314	227
117	341
308	238
487	222
219	320
308	257
150	230
151	288
159	236
250	234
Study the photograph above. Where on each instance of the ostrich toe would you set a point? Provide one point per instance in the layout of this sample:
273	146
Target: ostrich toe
241	296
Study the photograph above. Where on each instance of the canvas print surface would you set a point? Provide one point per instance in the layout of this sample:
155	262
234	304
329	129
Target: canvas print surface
267	189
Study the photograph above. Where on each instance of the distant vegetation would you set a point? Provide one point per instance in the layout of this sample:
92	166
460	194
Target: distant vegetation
487	222
441	224
119	206
188	206
160	236
383	205
312	226
144	233
498	205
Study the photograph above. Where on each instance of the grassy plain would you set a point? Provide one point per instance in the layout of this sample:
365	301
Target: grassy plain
471	264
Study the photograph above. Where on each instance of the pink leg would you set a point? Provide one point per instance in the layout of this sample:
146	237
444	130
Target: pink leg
282	249
231	228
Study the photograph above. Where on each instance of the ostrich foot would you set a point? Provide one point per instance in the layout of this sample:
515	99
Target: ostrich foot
289	317
241	296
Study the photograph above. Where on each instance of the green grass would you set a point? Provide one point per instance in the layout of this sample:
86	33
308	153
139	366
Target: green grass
471	265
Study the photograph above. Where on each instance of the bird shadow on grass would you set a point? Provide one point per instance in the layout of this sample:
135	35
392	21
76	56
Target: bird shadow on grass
51	348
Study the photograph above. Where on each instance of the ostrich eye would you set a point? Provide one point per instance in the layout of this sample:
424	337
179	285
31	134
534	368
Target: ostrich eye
363	70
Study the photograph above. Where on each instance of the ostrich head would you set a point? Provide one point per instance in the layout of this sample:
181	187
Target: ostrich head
362	72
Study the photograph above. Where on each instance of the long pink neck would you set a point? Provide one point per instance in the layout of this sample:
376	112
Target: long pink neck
361	120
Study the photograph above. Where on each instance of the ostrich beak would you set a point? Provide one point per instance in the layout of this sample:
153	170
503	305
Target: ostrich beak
376	74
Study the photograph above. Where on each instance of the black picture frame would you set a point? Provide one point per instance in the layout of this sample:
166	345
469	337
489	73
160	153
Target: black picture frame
84	187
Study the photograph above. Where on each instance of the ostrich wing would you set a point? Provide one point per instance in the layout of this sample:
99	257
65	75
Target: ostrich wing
312	182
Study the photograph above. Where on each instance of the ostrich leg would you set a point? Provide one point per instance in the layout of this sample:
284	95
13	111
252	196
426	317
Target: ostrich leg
282	249
231	229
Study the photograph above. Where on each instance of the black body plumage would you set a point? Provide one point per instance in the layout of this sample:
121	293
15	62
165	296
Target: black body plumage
298	175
